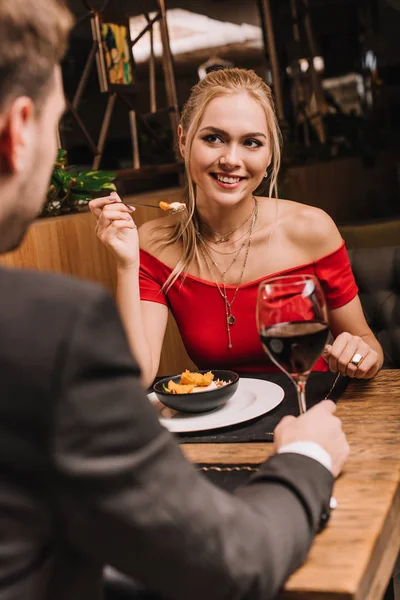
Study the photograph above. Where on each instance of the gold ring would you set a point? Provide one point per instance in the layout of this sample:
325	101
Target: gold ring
356	360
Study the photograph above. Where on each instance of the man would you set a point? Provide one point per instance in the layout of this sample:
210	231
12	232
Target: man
87	475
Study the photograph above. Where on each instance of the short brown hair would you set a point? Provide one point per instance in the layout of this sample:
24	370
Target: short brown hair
34	37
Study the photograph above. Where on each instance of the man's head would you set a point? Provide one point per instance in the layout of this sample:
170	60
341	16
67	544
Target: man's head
33	36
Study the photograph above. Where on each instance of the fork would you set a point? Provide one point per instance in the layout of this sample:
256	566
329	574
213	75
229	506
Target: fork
171	211
139	204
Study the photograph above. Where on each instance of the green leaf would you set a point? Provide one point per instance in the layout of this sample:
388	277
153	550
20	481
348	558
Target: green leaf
109	186
61	157
110	175
89	185
71	189
55	185
166	389
62	177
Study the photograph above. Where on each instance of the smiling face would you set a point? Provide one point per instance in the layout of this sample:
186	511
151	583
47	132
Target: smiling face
230	151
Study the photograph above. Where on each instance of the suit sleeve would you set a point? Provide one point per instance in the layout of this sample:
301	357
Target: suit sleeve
128	497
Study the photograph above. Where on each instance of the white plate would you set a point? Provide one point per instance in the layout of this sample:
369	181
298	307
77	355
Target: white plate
254	397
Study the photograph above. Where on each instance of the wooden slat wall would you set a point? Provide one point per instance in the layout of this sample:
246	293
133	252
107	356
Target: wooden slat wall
69	245
345	188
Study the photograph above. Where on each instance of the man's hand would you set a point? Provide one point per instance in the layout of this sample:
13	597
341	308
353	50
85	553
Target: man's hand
317	425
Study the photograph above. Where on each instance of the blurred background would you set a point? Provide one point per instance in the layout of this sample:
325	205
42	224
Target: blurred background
334	66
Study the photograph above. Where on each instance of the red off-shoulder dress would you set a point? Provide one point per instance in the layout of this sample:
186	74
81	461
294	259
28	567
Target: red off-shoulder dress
199	310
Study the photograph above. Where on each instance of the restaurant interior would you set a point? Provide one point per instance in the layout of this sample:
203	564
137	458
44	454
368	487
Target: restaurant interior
334	69
340	120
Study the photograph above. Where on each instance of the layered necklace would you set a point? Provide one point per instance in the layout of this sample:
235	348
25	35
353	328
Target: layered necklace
207	257
227	236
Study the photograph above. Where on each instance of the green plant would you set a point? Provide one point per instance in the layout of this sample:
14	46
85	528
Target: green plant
70	189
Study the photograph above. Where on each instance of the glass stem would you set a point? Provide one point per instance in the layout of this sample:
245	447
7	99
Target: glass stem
301	381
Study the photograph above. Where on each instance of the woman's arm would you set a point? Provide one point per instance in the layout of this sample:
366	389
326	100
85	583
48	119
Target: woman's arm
145	322
315	233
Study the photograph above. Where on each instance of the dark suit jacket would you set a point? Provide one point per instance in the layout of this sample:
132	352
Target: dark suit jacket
89	477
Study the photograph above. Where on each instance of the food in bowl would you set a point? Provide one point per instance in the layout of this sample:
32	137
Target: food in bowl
181	391
192	383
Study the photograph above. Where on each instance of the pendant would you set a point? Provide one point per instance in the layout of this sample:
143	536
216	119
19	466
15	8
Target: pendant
222	240
231	320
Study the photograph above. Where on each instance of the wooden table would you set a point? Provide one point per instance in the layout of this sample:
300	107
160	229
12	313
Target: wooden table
354	557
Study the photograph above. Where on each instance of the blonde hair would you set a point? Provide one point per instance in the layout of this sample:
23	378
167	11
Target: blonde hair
34	37
215	84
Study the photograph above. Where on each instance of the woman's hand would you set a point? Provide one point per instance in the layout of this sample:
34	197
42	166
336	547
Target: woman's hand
350	355
116	228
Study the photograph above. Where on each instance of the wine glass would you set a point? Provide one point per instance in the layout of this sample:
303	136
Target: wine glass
293	326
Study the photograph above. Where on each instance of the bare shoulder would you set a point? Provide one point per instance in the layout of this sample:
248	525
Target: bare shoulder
151	232
309	228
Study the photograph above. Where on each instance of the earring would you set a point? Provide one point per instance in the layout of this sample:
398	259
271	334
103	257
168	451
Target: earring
266	175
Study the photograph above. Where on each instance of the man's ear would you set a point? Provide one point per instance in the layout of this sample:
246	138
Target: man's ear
17	135
182	141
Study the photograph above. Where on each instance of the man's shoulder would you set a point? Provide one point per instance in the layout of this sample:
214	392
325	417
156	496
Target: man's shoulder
46	289
41	315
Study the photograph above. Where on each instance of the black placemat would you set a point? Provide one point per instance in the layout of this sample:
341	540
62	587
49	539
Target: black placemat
261	428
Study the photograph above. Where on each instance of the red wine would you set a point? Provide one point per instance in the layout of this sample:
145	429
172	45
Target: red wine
295	346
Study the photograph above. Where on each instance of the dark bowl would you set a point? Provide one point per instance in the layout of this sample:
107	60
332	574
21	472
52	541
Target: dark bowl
198	402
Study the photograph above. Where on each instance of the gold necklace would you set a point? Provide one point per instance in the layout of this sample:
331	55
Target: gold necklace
230	319
237	252
249	232
226	237
208	243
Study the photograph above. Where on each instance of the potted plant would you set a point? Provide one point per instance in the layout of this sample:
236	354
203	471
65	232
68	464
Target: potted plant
70	189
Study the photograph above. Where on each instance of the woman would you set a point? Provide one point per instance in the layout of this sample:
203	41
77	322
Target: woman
205	264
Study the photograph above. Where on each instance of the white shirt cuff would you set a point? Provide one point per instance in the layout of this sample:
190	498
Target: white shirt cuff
310	449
